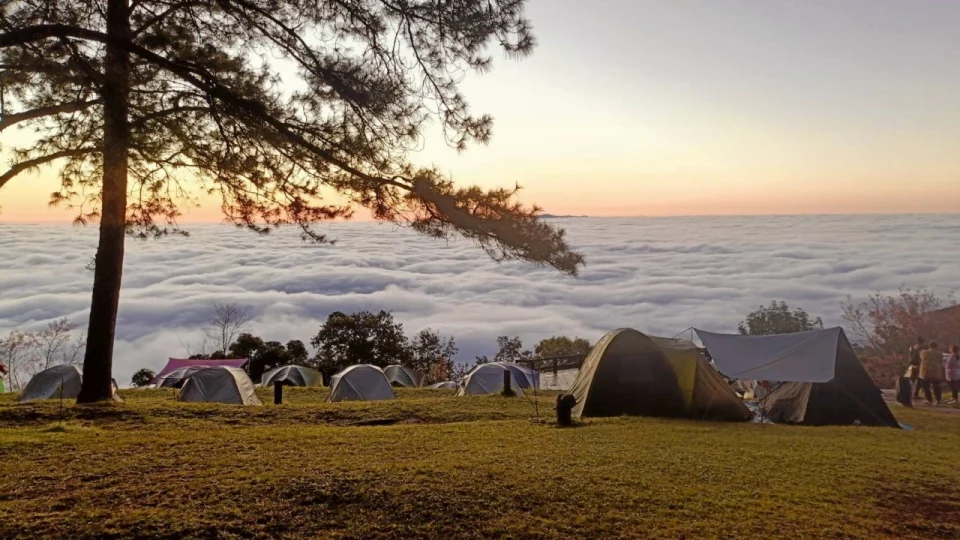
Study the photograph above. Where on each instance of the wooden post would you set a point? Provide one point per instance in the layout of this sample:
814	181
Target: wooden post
277	392
507	391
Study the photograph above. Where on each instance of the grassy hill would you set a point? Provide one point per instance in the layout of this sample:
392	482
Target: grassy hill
432	465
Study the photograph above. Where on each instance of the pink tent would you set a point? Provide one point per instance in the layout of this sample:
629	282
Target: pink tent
177	363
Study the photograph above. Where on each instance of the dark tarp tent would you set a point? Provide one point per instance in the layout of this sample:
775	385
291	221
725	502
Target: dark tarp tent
627	373
823	380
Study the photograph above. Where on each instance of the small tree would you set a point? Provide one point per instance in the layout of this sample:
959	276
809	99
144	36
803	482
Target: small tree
431	353
17	353
229	320
142	377
360	338
297	351
54	344
510	350
561	346
777	318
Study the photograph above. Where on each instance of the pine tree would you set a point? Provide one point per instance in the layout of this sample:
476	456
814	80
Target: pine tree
291	111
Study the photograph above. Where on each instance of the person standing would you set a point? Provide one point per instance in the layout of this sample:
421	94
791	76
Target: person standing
914	370
931	372
952	372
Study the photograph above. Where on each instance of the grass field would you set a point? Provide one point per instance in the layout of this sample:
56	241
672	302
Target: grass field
432	465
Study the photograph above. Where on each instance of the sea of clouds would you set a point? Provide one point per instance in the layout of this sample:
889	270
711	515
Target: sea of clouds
659	275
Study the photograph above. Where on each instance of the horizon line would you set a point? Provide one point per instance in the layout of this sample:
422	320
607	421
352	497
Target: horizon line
549	216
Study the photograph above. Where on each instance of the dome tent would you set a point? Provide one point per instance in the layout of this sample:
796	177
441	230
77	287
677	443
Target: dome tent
403	376
220	384
525	377
362	382
486	379
292	376
47	383
176	378
445	385
627	373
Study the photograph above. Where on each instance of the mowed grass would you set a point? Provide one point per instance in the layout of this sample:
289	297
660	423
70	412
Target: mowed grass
431	465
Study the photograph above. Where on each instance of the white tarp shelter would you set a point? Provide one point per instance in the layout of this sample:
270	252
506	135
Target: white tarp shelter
220	384
487	379
445	385
800	357
47	383
362	382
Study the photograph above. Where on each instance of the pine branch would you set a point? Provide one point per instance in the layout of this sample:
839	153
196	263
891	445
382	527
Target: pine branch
40	112
36	162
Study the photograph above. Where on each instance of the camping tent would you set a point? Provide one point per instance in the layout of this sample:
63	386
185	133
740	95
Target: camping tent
404	376
627	373
705	392
220	384
47	383
445	385
176	378
526	377
292	376
361	382
823	380
487	379
177	363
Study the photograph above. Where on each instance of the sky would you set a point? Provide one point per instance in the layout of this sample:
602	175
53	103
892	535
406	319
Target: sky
659	275
684	107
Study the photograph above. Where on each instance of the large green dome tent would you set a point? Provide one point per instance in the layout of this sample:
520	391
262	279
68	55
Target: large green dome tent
627	373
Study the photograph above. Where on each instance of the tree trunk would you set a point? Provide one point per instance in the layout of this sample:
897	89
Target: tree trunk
98	360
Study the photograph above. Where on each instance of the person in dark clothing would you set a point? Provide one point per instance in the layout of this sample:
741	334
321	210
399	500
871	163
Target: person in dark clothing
931	372
914	369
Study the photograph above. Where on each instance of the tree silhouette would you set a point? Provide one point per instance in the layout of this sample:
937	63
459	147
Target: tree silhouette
777	318
275	106
142	377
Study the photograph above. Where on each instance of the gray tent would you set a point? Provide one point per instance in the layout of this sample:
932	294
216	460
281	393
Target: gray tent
220	385
362	382
47	383
404	377
445	385
487	379
292	376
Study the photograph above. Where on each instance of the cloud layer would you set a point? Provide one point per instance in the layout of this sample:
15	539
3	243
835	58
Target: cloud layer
659	275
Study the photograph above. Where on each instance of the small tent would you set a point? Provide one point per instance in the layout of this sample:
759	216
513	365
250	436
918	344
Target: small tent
705	392
445	385
220	384
823	381
177	363
627	373
177	377
525	377
292	376
47	383
487	379
362	382
402	376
